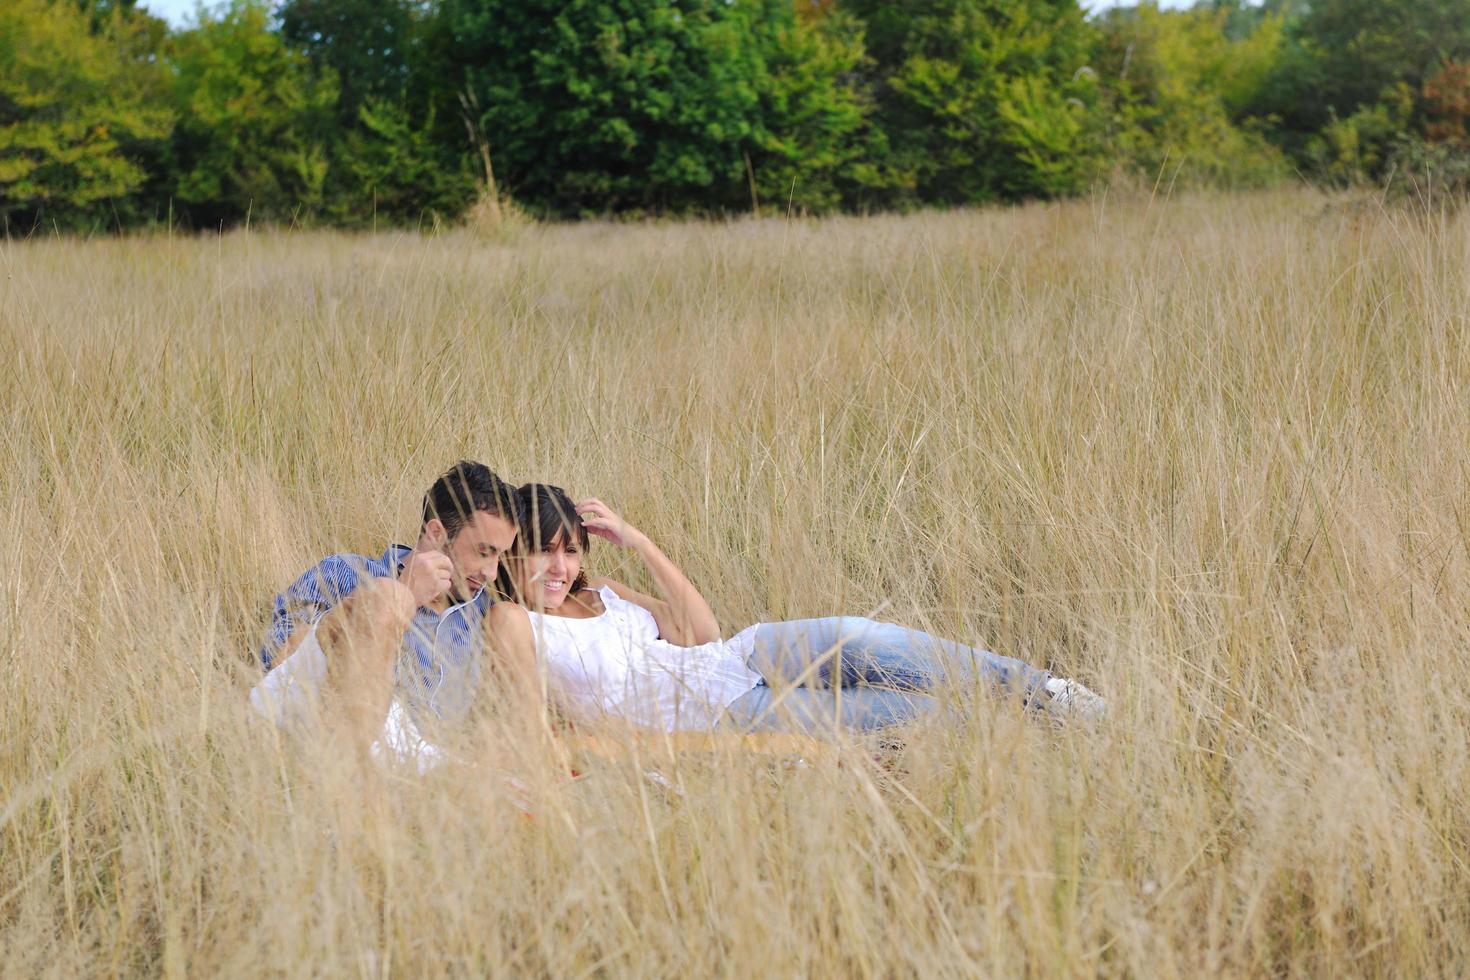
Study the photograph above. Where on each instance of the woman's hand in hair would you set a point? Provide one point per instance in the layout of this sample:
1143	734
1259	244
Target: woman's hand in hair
682	615
600	519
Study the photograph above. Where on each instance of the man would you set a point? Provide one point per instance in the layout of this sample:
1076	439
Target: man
343	631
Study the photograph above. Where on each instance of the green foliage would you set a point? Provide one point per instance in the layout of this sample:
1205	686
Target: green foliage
79	110
392	156
1342	61
1428	172
390	167
611	105
815	147
1180	91
1362	147
370	45
355	112
1365	47
255	120
983	99
104	14
1052	141
652	106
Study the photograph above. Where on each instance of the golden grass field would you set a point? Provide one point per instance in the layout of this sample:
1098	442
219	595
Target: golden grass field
1206	455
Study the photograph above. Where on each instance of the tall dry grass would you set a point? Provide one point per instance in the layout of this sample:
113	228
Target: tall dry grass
1207	456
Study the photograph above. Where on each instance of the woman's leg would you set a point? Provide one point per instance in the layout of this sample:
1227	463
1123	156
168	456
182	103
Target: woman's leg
847	652
810	711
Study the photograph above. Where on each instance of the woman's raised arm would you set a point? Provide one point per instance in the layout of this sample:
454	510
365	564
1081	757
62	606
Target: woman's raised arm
682	615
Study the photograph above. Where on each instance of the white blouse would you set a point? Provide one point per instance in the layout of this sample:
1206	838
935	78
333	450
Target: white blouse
616	666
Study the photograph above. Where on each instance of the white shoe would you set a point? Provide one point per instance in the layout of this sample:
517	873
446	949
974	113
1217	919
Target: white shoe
1067	698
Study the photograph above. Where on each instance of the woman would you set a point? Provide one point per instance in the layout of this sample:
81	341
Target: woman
612	653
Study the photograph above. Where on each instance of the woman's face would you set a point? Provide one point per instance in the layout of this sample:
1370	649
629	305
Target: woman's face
543	578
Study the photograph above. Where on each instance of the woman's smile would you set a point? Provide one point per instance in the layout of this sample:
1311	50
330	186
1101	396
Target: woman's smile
548	575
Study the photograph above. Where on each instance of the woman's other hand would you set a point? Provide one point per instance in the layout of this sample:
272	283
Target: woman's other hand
600	519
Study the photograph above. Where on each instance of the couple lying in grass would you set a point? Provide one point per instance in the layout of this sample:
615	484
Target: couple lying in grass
496	596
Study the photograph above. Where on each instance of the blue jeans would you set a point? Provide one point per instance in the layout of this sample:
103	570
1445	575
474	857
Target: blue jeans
860	674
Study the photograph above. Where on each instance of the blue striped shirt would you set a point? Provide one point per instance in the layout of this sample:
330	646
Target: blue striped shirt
439	665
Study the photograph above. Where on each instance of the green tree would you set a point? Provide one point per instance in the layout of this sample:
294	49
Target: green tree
984	99
1181	87
1363	48
255	121
105	14
611	105
393	167
79	110
815	146
395	153
1337	88
370	45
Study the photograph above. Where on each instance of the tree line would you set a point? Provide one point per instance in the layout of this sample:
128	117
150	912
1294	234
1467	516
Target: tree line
355	113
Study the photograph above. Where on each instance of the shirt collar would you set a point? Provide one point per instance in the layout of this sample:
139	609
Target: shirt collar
393	557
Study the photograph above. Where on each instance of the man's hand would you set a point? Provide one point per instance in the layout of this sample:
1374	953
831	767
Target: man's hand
428	575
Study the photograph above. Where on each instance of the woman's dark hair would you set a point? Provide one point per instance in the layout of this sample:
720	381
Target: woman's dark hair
546	513
466	488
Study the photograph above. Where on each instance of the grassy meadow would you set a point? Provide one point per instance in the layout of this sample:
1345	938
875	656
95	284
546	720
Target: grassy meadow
1205	455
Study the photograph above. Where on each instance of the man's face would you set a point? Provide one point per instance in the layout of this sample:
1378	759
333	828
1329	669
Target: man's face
475	551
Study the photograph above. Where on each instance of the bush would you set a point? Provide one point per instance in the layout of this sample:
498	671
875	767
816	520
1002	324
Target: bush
1365	146
394	168
1179	92
1428	172
81	110
984	100
594	106
255	122
815	147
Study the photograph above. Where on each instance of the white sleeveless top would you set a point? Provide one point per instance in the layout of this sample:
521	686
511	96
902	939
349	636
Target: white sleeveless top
616	666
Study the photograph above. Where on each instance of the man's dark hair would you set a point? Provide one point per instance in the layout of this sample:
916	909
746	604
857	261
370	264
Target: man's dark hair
466	488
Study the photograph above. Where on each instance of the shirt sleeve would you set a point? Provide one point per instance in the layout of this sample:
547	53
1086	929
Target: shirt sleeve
308	599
